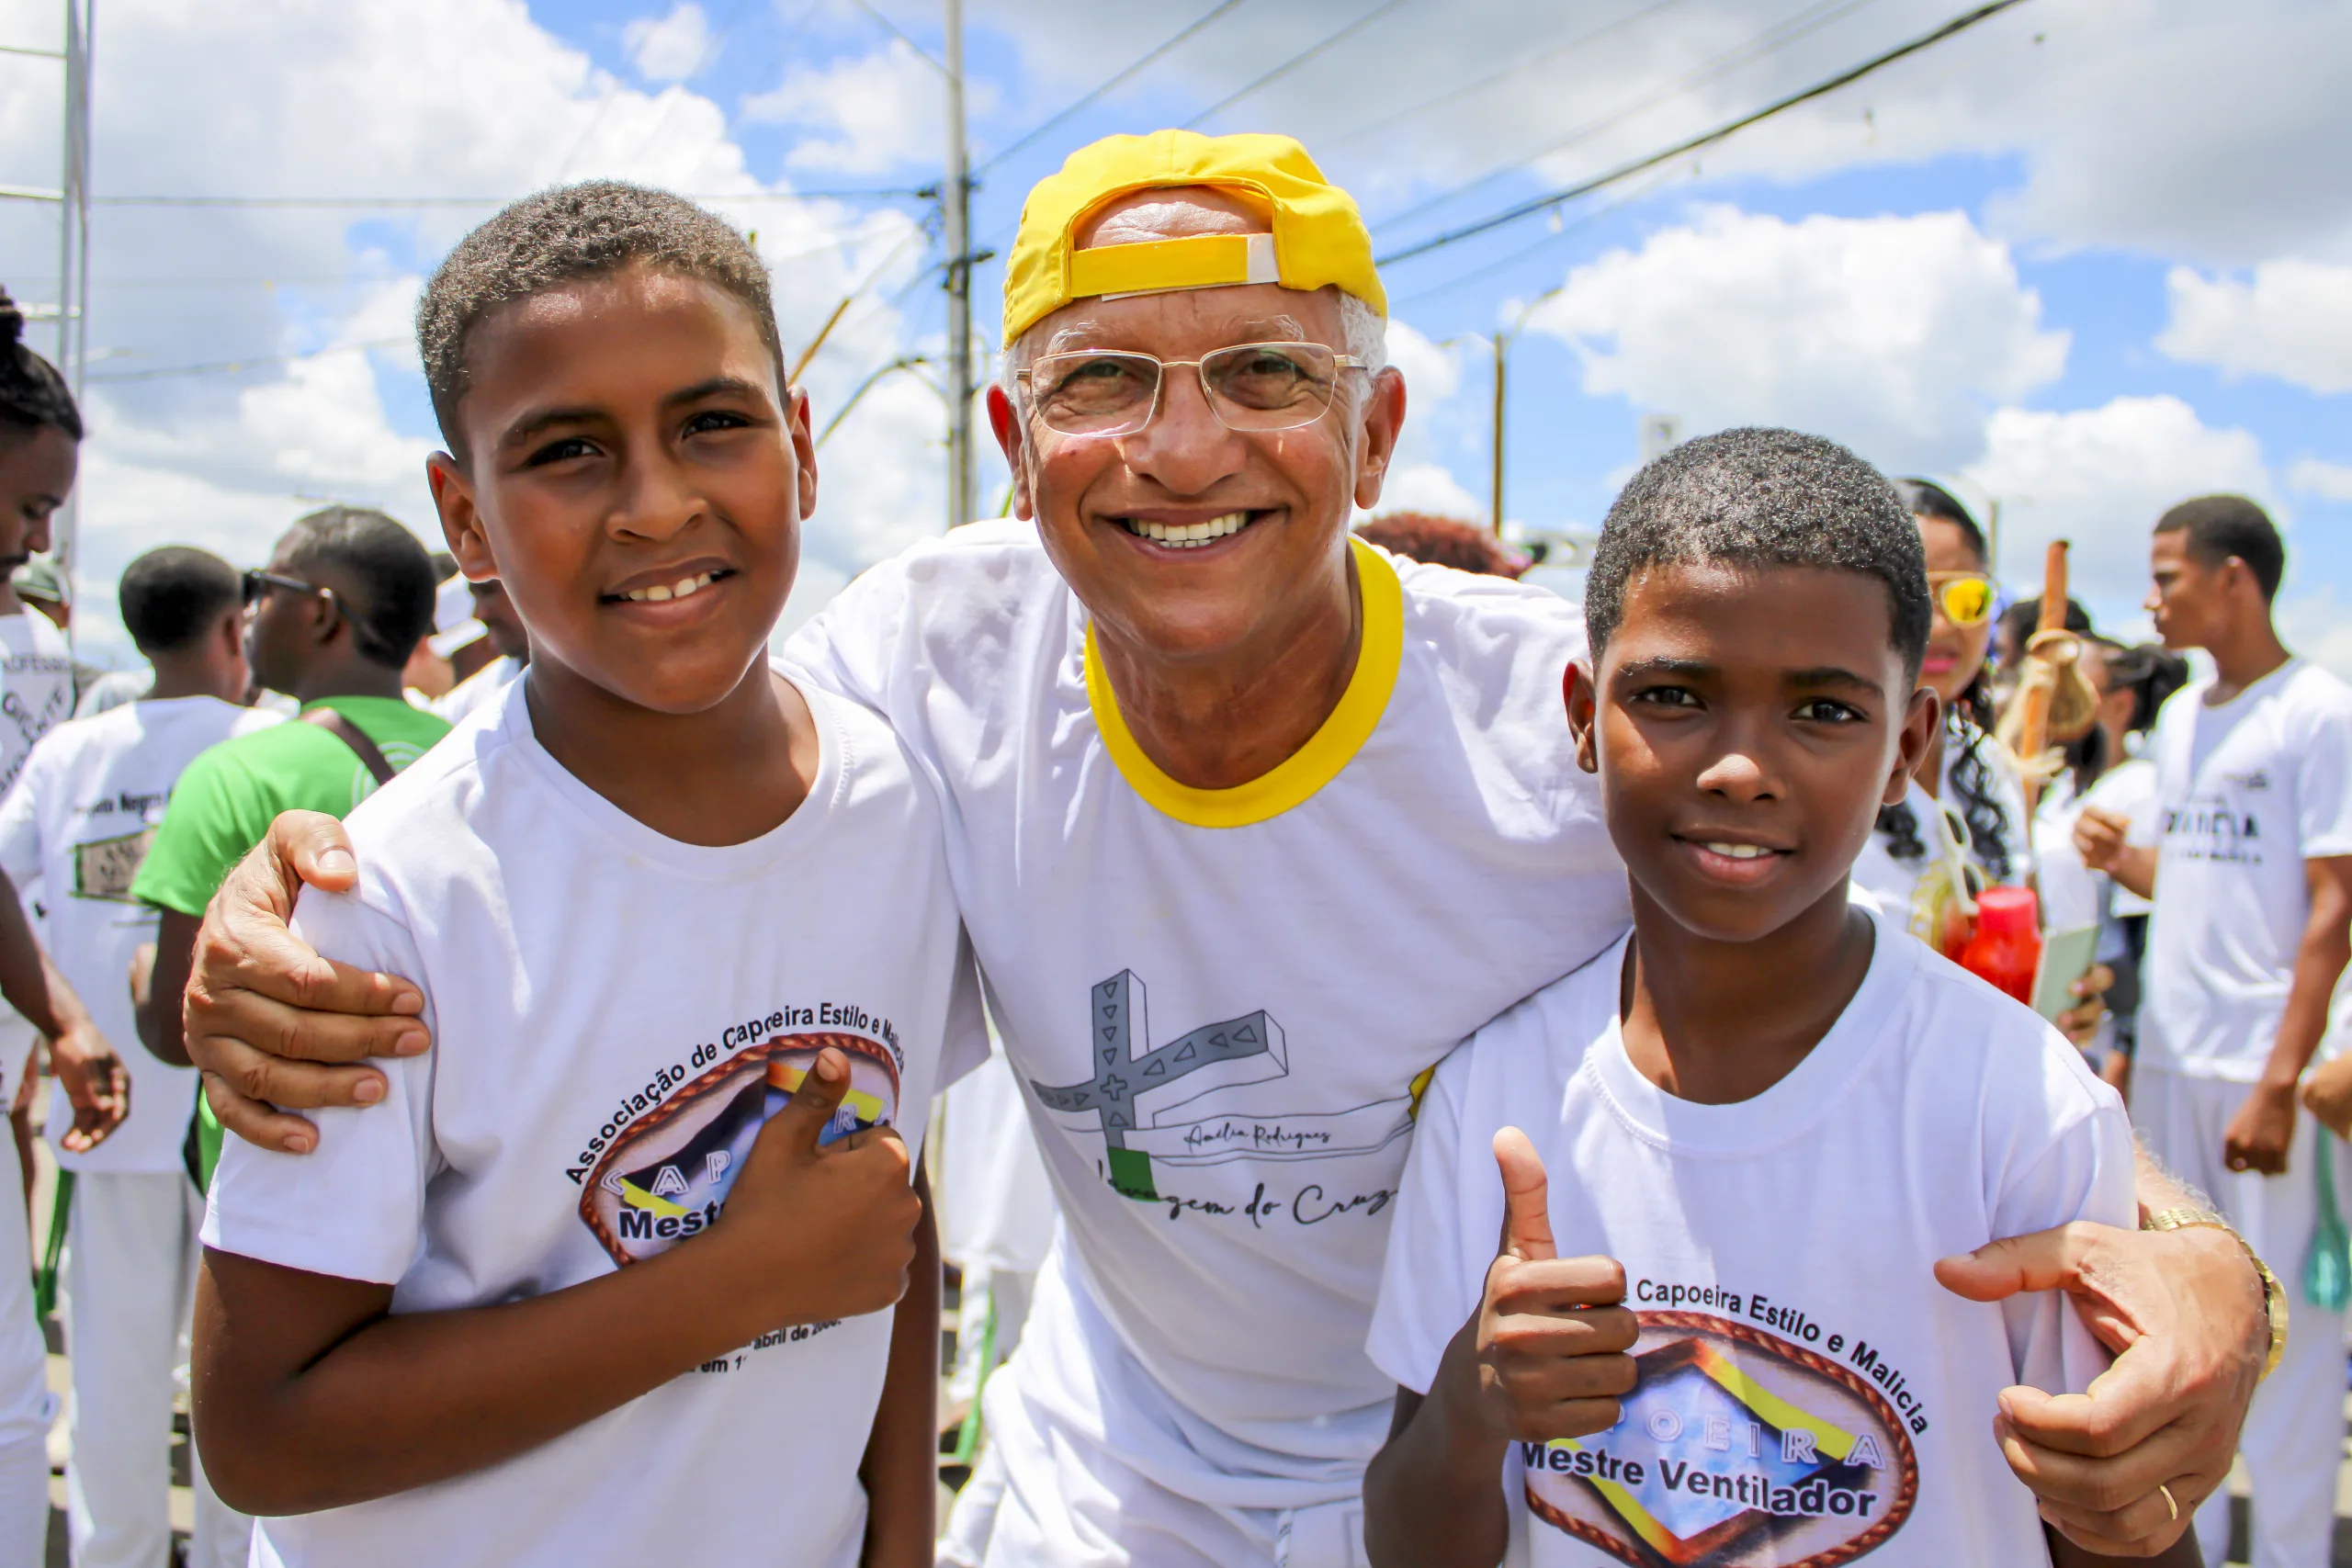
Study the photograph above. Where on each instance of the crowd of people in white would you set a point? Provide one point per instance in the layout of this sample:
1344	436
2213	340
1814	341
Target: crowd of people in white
535	1167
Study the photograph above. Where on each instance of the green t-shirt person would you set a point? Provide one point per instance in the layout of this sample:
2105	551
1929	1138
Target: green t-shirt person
226	800
230	794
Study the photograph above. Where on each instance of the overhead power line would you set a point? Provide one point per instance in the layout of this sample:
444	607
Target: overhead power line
389	203
1585	188
1771	41
1111	84
900	33
1584	220
1528	62
224	366
1293	62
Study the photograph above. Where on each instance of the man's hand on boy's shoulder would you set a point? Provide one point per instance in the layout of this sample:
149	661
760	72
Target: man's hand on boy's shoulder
270	1022
1547	1356
2183	1312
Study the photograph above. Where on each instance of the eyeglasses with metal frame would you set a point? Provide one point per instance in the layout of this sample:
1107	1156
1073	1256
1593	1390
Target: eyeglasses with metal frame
1249	387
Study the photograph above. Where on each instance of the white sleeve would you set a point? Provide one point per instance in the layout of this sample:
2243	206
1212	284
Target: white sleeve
1436	1269
967	1043
355	1208
2323	784
20	820
850	646
2085	1173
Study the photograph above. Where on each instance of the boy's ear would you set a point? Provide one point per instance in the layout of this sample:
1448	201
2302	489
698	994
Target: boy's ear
1920	717
804	448
453	497
1004	420
1584	704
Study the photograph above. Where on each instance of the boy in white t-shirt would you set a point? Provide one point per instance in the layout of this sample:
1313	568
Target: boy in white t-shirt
568	1296
1770	1111
79	820
2247	853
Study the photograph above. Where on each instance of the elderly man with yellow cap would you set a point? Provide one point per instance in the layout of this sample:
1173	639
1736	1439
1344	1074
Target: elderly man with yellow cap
1251	823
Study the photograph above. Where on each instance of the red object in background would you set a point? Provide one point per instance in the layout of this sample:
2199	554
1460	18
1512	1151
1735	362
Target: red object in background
2007	946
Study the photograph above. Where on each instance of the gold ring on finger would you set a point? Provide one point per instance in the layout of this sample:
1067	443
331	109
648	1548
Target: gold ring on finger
2173	1507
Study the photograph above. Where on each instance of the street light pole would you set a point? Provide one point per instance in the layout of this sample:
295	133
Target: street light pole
956	200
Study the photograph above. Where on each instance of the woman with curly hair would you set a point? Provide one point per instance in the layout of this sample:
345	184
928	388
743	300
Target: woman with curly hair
1965	777
40	437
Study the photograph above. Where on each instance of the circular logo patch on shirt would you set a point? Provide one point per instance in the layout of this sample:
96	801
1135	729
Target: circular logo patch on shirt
667	1177
1735	1449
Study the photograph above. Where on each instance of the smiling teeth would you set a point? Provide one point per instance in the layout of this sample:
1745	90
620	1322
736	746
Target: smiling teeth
1189	535
659	594
1739	851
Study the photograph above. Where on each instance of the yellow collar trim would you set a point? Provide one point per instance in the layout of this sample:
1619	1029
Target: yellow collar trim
1379	655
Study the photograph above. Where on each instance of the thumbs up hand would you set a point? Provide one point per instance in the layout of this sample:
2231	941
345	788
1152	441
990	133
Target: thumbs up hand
822	1230
1545	1356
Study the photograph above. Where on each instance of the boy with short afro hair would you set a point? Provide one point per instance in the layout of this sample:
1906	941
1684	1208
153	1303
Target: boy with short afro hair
614	1274
1772	1111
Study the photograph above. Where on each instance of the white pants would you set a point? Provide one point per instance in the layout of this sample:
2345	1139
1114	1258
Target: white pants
26	1406
1082	1470
131	1258
2293	1440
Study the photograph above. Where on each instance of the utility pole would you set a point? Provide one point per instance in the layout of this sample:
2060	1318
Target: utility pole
955	202
1501	341
1502	358
80	16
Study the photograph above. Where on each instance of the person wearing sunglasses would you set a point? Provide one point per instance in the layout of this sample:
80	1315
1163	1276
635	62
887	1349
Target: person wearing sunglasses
1251	822
329	621
1965	814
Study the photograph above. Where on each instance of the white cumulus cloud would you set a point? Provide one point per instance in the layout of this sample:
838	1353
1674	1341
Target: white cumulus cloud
866	115
1894	335
2329	481
468	97
2099	478
671	47
2291	319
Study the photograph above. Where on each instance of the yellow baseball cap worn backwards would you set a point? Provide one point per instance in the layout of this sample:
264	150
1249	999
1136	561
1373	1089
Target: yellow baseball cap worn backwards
1318	236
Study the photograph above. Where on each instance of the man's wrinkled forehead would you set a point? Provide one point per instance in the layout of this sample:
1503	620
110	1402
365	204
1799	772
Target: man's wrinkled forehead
1252	310
1169	212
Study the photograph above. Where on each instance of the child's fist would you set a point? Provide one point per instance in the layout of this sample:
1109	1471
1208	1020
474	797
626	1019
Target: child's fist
829	1230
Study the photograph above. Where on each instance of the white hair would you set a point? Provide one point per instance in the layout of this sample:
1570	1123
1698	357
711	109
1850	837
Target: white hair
1363	333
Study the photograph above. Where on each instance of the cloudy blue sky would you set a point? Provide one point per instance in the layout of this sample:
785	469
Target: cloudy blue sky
2094	256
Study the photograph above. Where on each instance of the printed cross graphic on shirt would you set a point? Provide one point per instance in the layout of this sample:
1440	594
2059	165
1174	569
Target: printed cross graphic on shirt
1242	1050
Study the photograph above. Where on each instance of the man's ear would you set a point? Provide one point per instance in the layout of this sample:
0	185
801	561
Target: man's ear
453	498
1005	420
1384	421
1921	715
1583	700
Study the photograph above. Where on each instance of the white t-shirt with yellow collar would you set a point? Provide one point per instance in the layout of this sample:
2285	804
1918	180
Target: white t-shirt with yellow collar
1221	1004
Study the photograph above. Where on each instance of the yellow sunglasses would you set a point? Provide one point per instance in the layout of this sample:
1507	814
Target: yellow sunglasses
1965	597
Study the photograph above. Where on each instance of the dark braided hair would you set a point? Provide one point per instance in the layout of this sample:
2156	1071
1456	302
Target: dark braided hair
1971	773
2151	674
32	393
